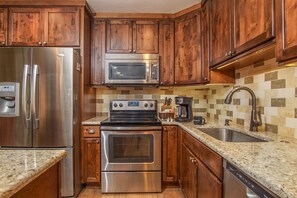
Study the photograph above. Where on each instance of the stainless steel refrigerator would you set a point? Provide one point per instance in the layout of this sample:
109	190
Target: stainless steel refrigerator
39	105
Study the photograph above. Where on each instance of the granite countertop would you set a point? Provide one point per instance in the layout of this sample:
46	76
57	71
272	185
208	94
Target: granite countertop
20	167
94	121
272	163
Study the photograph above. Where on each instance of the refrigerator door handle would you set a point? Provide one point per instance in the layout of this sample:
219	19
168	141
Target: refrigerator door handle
35	103
27	117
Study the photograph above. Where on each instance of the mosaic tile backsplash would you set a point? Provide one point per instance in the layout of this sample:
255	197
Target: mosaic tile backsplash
275	89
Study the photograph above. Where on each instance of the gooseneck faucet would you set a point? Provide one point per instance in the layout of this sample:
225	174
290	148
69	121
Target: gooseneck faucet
255	116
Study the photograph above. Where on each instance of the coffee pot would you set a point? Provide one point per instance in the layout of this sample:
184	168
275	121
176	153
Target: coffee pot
184	109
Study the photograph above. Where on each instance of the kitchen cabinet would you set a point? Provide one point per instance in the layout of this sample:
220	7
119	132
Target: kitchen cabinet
132	36
237	26
201	169
205	42
187	49
286	34
166	48
97	52
44	26
170	157
3	26
91	154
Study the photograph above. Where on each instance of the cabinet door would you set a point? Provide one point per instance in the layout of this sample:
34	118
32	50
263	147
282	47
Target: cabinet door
91	160
286	34
166	46
209	186
61	27
3	26
145	37
253	23
170	154
119	36
98	52
25	26
187	50
205	42
220	31
188	174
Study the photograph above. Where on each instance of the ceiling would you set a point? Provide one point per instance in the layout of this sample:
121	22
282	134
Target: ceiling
140	6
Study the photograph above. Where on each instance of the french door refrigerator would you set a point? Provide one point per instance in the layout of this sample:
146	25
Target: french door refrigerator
39	105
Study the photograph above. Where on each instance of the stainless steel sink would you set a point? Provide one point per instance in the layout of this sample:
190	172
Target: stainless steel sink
229	135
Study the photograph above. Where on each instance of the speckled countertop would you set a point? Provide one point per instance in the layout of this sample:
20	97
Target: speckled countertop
20	167
94	121
273	163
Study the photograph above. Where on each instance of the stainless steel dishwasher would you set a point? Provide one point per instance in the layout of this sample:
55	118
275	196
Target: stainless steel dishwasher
238	184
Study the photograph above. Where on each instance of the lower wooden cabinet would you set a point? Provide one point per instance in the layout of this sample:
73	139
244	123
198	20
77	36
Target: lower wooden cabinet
91	155
170	157
200	171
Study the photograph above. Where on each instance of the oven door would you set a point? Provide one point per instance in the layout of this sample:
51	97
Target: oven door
128	150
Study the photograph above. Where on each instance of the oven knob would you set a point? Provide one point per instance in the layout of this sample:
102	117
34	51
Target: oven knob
115	105
145	105
151	105
121	105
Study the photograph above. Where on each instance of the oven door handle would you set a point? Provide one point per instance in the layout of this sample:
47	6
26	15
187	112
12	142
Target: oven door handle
133	128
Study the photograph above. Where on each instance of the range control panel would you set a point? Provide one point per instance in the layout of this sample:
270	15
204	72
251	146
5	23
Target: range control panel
132	105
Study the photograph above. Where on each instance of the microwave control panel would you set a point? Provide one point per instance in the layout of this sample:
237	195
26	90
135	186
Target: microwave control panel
154	71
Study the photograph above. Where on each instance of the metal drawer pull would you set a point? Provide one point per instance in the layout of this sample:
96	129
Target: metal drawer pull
91	131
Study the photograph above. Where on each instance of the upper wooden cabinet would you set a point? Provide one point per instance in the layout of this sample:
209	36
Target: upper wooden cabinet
286	34
3	26
128	36
237	26
187	49
253	23
44	26
61	27
166	46
97	51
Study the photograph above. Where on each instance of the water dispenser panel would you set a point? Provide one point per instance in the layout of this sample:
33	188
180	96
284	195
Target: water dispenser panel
9	99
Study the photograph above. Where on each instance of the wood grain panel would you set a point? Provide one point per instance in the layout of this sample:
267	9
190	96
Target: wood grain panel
98	52
189	173
253	23
47	185
62	26
91	131
205	43
220	30
25	26
211	159
187	50
286	34
169	154
91	160
119	36
3	26
145	36
166	49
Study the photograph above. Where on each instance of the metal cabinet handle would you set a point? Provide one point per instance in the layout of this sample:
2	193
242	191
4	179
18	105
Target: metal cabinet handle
130	50
97	141
2	43
91	131
44	43
39	43
161	83
134	51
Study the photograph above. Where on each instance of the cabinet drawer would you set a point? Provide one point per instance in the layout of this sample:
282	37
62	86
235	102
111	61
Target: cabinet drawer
91	131
212	160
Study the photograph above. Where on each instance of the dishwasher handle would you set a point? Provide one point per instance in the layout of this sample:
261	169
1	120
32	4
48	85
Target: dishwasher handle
253	189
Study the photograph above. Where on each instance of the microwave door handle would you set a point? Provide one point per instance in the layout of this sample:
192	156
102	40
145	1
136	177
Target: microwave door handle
27	117
148	71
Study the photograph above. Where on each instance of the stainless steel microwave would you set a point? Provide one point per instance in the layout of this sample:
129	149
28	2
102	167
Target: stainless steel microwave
131	69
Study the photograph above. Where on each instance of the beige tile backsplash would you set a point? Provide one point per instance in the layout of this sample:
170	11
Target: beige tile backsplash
275	89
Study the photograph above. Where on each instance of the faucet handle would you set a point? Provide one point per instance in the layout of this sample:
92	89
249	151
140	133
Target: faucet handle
259	122
227	122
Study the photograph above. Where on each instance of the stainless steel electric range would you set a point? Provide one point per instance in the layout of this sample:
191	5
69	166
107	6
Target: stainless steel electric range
131	147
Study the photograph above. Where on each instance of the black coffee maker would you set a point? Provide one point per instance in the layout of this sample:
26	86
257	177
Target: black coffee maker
184	109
